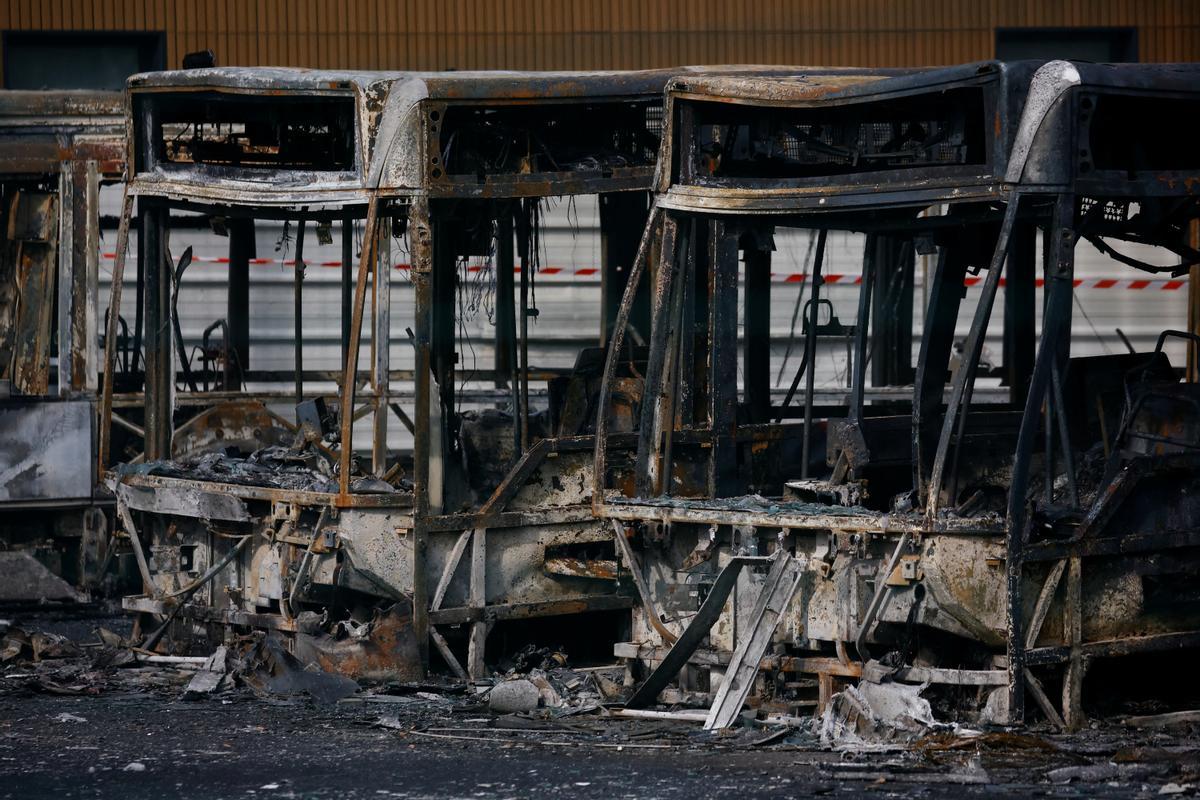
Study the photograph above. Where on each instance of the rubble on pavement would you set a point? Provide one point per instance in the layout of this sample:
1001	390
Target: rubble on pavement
873	734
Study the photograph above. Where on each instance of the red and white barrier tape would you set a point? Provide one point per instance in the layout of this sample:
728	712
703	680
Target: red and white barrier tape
1136	284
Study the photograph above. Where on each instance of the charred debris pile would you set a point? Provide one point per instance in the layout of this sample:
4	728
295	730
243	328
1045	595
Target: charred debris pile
538	700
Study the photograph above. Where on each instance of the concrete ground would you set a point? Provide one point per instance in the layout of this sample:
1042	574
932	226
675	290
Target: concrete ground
128	734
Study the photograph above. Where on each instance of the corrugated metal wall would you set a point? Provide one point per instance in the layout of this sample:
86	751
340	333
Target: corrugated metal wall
591	34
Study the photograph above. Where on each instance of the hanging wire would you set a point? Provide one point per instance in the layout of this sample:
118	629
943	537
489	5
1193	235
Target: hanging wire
535	252
476	292
283	244
1099	338
806	266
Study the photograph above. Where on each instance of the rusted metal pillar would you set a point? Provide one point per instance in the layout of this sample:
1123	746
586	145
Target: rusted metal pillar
892	310
420	239
110	333
692	372
862	327
1056	321
722	332
756	326
65	276
237	309
76	371
945	296
623	216
529	256
506	336
506	319
439	315
347	282
600	457
653	417
443	284
350	371
1072	688
476	646
298	310
668	404
381	308
89	320
160	366
139	292
810	349
146	158
34	270
1020	301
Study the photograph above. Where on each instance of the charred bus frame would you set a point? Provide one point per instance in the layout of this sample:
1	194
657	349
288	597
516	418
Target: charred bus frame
56	150
934	516
456	163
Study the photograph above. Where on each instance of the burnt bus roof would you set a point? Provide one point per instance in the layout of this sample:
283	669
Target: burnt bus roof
275	136
969	132
477	85
40	130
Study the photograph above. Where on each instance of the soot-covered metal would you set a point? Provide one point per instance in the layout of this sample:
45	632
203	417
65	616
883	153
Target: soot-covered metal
990	527
373	561
994	550
56	150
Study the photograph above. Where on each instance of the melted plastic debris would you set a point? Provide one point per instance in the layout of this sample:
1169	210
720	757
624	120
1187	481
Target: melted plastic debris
876	715
275	467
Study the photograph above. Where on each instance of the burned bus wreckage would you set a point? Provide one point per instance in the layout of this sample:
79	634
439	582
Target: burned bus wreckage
56	151
995	530
992	527
468	505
